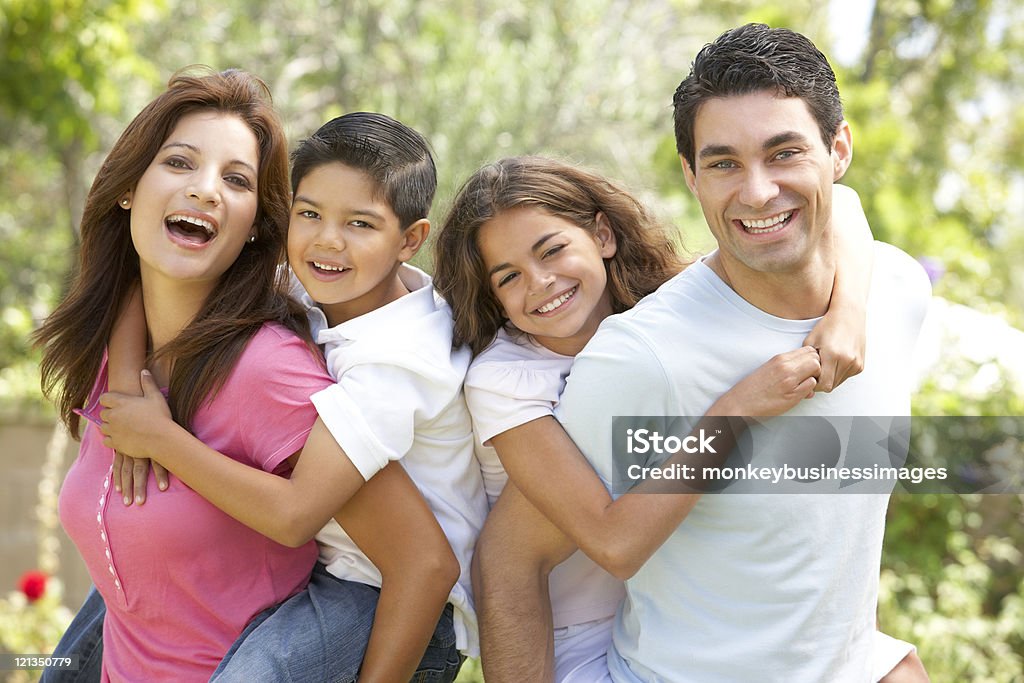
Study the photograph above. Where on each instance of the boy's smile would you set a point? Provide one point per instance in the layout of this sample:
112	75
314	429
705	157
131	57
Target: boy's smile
345	243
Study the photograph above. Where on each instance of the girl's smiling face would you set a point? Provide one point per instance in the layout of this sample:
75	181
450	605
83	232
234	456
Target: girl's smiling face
549	274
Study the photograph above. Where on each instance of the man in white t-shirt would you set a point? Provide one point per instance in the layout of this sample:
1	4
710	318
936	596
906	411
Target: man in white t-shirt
763	586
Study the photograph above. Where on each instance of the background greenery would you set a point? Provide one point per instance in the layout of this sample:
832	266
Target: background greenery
933	97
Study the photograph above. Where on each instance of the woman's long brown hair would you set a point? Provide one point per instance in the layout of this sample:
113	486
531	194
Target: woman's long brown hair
248	294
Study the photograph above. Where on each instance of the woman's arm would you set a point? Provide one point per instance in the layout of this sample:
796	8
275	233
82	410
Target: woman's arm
322	481
607	531
126	357
841	336
391	523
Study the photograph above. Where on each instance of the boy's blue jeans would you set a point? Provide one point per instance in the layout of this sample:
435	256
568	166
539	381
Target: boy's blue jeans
317	635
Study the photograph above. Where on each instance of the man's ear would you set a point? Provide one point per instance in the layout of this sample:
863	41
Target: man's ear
691	178
413	238
605	236
842	151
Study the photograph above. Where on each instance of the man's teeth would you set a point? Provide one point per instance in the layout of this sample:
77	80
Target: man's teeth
548	307
324	266
764	225
205	225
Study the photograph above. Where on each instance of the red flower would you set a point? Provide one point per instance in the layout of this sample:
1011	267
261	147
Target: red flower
33	584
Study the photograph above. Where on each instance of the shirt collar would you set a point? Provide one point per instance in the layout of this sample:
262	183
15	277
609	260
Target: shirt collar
418	303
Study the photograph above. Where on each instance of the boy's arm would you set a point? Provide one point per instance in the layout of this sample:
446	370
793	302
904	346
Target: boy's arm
391	523
126	357
841	335
294	509
515	553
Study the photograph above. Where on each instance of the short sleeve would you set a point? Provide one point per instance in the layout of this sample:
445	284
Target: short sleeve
616	374
373	410
269	394
504	395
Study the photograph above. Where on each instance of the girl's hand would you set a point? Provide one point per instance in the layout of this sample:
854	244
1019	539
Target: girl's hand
841	340
132	473
133	425
773	388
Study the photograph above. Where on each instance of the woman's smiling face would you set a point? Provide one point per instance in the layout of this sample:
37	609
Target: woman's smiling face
549	275
195	205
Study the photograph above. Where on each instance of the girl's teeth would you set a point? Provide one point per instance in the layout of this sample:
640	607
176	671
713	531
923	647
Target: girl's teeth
761	226
324	266
547	308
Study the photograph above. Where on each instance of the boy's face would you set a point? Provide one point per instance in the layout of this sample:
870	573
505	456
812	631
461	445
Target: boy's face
345	243
764	179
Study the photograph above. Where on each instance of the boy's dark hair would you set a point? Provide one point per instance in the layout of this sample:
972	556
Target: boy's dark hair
393	154
750	59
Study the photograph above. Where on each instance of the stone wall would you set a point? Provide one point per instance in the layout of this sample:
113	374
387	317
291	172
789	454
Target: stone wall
23	445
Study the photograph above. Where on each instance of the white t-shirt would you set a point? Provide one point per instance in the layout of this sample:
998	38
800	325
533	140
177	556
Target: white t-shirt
511	382
399	397
750	586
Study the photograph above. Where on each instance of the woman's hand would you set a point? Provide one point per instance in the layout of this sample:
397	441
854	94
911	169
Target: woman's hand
773	388
131	426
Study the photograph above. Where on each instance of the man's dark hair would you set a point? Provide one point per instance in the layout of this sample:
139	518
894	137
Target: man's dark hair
393	154
750	59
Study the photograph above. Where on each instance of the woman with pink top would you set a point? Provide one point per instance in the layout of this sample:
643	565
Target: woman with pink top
190	208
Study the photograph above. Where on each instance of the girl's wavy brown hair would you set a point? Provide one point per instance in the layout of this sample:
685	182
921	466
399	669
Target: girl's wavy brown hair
645	257
249	293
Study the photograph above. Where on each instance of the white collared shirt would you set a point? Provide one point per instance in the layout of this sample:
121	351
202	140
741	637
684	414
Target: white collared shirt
399	397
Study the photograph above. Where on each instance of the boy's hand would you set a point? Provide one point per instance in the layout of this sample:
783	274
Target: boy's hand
132	425
132	473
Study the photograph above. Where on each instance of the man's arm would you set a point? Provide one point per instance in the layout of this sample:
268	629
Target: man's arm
516	551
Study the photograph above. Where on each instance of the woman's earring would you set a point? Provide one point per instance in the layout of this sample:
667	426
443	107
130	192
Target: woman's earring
252	238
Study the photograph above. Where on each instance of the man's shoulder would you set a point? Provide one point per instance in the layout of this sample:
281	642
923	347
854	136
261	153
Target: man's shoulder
664	313
898	273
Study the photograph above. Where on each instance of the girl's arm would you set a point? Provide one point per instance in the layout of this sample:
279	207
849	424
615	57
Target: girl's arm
126	356
322	481
605	530
841	336
390	521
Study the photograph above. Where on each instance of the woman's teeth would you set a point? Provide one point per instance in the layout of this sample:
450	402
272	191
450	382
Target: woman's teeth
205	227
548	307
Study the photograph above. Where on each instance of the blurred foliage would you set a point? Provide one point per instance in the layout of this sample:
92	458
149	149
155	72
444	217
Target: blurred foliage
932	98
